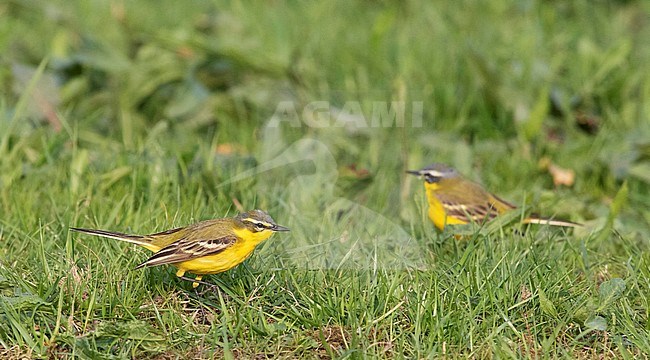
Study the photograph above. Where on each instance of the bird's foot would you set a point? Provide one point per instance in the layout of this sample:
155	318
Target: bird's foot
196	281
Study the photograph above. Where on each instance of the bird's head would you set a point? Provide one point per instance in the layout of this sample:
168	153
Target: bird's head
436	173
257	224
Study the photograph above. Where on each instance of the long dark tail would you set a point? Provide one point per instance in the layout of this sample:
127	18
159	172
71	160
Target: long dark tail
134	239
552	222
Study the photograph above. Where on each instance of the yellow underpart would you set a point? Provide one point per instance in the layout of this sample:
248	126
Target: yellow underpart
227	259
437	212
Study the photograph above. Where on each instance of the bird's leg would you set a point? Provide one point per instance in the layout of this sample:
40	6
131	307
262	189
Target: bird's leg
195	282
197	279
195	285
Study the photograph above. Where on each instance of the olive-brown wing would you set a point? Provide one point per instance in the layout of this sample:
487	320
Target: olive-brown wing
189	248
469	202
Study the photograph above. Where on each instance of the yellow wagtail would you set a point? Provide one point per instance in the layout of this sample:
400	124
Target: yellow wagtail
207	247
455	200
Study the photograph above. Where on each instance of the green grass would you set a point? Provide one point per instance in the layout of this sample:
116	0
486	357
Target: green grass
143	116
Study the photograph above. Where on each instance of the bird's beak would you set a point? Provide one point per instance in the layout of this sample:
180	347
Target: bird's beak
279	228
414	172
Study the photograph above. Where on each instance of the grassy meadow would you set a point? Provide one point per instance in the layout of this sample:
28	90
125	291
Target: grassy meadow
144	116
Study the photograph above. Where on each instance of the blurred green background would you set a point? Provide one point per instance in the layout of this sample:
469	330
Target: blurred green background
142	116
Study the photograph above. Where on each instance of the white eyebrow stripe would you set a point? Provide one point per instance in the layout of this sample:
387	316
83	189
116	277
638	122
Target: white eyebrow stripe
253	221
435	173
257	222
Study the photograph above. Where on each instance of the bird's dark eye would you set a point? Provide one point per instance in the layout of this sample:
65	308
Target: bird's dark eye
431	179
259	227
